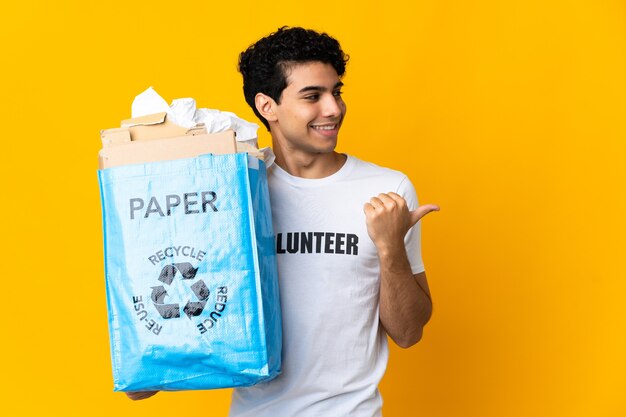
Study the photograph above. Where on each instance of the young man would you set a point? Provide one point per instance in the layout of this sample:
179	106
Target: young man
348	246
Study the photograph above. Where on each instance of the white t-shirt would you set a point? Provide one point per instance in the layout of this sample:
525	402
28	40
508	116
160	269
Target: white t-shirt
334	349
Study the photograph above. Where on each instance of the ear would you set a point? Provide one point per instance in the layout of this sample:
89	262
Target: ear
265	106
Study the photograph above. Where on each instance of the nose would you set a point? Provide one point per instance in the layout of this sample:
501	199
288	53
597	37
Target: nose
331	106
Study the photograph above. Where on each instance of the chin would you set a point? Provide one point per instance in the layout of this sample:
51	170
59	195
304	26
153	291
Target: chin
327	149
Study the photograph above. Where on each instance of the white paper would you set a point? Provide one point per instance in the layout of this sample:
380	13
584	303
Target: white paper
149	102
184	113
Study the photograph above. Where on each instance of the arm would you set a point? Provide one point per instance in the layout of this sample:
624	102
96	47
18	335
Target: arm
405	303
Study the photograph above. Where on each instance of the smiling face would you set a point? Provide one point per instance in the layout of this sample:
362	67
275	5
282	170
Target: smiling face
311	110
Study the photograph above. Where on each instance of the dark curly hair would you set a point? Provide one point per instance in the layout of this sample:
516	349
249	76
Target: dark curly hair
265	64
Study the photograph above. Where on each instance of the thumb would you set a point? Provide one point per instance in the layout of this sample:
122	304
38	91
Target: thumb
420	212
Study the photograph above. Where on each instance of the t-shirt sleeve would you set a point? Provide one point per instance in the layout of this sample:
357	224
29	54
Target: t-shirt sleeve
412	240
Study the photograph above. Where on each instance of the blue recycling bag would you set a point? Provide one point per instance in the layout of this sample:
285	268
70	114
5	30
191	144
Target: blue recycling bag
191	280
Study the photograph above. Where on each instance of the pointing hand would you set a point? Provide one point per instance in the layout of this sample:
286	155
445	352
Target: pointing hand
388	219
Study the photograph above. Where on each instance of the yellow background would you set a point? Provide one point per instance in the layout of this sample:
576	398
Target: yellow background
509	114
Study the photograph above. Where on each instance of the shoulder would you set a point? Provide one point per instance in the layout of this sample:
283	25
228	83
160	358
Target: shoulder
371	170
383	180
375	169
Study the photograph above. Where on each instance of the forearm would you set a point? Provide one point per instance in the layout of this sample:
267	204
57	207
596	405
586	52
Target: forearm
405	304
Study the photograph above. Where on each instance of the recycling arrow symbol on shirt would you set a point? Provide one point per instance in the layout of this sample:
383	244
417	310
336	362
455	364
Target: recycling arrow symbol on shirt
199	288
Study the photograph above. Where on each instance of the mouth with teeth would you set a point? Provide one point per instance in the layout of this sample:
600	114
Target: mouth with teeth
326	129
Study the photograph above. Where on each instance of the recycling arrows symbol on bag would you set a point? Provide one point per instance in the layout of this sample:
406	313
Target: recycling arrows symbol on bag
199	288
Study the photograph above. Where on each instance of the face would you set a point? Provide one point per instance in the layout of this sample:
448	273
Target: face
311	110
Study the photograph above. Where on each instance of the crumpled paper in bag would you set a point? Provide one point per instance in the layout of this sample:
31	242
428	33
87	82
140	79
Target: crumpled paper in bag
184	113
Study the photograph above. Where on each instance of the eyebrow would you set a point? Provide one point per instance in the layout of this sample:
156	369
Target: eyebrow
319	88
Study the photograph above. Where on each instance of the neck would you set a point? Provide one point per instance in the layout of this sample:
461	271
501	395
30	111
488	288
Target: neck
311	166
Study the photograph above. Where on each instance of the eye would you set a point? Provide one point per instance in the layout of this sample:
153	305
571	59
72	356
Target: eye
337	93
312	97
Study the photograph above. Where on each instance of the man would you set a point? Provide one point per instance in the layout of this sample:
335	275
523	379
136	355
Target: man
348	248
349	261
